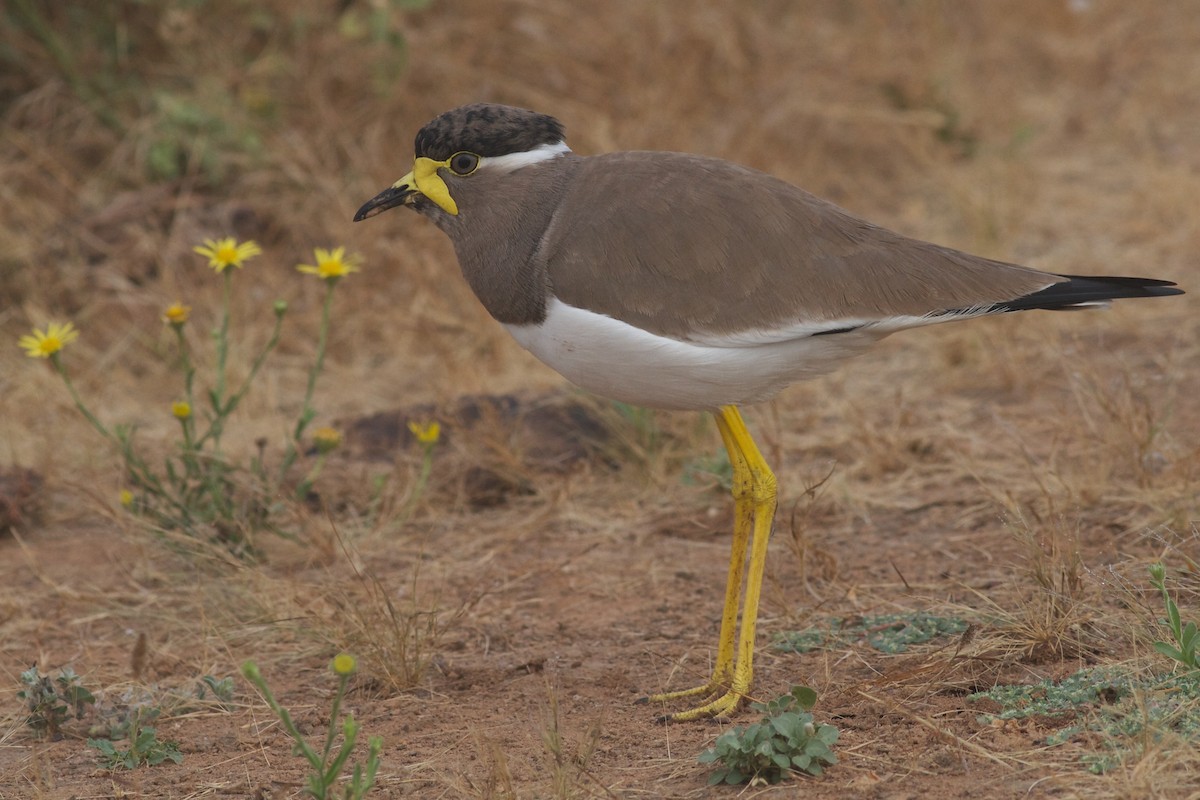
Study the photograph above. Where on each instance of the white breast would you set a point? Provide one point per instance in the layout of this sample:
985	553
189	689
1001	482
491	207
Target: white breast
616	360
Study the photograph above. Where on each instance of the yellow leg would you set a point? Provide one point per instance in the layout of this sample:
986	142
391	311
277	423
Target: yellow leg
754	510
742	517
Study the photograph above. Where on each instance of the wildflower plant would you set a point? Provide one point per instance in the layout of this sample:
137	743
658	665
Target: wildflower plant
327	765
331	267
198	490
427	434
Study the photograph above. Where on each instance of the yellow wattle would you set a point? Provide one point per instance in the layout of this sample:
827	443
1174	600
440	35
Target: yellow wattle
429	183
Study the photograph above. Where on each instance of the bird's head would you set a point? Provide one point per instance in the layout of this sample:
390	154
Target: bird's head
458	148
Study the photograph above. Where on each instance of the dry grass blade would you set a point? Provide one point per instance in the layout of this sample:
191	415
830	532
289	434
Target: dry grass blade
1002	759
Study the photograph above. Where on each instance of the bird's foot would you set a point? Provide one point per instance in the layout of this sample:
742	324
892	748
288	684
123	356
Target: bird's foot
721	701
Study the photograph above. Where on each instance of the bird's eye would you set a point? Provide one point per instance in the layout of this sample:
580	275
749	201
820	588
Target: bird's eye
464	163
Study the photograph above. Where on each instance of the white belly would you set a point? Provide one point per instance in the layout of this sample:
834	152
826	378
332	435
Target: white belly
616	360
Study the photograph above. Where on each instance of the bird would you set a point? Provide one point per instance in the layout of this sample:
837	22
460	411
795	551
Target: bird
680	281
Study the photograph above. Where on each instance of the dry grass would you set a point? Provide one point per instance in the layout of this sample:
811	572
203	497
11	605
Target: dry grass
1024	469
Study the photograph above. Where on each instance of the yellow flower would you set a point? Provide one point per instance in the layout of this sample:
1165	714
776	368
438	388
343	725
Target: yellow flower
331	264
126	498
344	664
181	409
43	344
176	313
226	252
326	439
426	432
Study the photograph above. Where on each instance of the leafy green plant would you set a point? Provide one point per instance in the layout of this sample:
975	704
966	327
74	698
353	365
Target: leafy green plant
197	491
326	765
786	741
1185	637
144	748
1050	698
52	702
1115	715
222	689
887	633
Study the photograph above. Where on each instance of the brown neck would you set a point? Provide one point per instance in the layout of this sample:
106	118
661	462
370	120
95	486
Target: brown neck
498	232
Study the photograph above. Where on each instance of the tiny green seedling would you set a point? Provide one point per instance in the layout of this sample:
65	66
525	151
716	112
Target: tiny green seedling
1186	639
786	741
52	702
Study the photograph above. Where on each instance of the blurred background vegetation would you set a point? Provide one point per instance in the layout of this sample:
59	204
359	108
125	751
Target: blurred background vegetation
1061	134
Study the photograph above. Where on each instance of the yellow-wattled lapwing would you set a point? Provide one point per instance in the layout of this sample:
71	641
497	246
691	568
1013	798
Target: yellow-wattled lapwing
684	282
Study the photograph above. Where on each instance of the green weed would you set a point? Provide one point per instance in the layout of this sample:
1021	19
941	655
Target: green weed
786	741
1117	715
887	633
221	689
52	702
326	766
1184	636
1049	698
144	748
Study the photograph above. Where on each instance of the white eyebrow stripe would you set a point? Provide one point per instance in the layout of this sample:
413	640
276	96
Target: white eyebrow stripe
514	161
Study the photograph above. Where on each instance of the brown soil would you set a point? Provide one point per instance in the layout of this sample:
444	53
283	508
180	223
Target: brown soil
565	558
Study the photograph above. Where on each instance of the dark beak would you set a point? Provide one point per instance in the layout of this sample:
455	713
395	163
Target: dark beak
388	198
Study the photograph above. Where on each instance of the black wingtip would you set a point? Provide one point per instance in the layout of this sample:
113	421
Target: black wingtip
1082	291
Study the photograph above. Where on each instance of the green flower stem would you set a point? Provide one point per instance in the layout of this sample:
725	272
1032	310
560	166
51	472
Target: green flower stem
333	715
306	485
349	737
185	363
307	412
189	426
188	446
251	673
327	766
256	366
422	482
225	409
188	454
97	424
222	337
143	477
